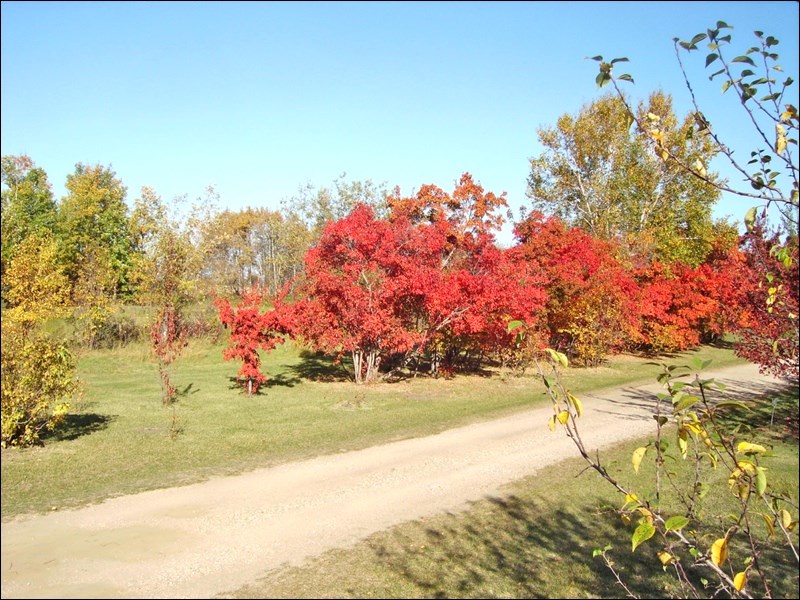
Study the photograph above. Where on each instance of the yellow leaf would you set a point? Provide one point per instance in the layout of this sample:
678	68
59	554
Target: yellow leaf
786	518
631	498
699	167
770	523
664	557
747	467
551	423
625	519
646	514
683	443
744	491
563	417
719	551
739	581
780	138
637	457
748	448
576	403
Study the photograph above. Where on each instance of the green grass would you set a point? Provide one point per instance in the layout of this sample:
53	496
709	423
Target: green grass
537	539
117	440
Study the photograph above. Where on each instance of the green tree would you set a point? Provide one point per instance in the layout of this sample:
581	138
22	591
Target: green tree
27	204
94	213
598	173
317	207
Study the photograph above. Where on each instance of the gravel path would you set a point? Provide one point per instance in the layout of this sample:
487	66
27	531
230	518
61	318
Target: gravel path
213	537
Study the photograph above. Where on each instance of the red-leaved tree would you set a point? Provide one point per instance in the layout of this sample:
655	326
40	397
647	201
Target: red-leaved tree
250	331
592	308
351	300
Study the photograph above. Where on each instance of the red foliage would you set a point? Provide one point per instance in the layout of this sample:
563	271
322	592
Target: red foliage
591	308
376	288
354	291
770	337
168	338
674	305
250	330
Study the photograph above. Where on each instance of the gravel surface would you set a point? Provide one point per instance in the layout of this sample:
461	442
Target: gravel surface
213	537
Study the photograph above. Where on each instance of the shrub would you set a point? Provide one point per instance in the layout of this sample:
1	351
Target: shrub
38	382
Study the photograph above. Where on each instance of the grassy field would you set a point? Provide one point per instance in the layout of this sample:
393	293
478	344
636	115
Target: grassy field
533	544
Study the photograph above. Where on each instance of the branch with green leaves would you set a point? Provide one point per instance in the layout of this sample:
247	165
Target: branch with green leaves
762	97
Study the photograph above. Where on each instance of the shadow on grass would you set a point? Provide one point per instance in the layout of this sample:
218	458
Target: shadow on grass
770	406
316	366
187	391
524	548
519	548
77	425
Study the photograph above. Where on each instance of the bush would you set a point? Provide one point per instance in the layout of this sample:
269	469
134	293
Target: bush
38	381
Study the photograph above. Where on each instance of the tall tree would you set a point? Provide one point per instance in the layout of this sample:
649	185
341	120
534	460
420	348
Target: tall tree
94	213
27	204
318	207
599	173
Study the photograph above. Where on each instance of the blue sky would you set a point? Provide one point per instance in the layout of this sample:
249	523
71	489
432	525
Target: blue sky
259	98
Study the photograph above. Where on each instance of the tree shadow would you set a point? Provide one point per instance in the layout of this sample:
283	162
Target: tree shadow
282	380
77	425
317	366
516	544
187	391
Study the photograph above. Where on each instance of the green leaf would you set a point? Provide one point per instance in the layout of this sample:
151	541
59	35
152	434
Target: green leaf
698	38
643	533
512	325
626	77
711	58
735	403
720	72
744	59
686	402
761	480
750	219
602	79
616	60
676	523
598	58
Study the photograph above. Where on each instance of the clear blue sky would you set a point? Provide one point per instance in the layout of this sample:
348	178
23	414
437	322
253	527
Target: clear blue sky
259	98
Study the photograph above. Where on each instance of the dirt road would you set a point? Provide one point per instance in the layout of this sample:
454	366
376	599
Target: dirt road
213	537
